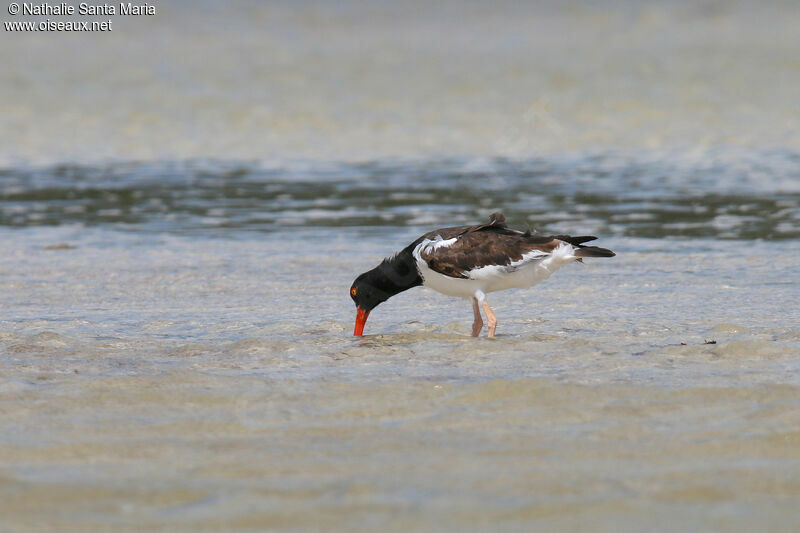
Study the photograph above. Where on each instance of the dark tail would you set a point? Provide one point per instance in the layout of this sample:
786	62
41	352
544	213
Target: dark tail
593	251
574	241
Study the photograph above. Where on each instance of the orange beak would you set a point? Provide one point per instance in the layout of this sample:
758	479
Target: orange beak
361	319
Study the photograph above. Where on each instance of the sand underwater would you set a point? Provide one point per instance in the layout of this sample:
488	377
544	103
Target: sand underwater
178	236
209	380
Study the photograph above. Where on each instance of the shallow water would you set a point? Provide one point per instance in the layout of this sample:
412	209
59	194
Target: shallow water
183	382
184	203
750	195
355	80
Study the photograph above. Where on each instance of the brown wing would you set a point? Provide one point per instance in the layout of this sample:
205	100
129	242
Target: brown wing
476	249
494	244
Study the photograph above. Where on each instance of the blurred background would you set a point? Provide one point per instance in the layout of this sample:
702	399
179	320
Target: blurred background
185	201
232	114
354	81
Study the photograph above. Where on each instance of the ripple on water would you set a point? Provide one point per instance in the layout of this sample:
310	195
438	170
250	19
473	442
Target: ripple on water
607	194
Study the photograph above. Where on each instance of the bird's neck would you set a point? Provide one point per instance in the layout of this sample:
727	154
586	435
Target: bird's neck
396	274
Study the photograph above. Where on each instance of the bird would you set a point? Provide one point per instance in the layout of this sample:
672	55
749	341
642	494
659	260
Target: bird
470	262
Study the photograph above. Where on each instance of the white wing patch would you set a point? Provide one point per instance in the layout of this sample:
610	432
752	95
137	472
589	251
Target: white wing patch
429	246
529	270
494	270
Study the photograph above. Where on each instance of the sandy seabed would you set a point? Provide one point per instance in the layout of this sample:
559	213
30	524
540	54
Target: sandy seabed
177	383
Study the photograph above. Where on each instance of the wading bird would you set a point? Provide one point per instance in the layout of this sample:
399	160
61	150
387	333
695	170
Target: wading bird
470	262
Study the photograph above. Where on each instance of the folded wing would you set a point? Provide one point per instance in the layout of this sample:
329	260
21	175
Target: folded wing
455	252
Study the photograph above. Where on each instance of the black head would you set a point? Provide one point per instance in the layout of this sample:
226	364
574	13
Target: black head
366	295
393	275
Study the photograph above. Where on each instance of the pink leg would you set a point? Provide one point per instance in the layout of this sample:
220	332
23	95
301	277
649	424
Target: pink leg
490	318
477	326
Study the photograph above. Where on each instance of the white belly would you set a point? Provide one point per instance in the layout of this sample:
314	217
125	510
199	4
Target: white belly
496	278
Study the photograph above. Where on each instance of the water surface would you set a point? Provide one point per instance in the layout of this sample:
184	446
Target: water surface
178	352
185	201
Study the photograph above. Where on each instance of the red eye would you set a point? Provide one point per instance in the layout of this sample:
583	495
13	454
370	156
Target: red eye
353	292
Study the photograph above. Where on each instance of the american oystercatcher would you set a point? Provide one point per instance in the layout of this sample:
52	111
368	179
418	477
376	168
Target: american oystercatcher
470	261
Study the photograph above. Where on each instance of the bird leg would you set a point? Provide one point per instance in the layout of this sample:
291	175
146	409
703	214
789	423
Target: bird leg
490	318
477	326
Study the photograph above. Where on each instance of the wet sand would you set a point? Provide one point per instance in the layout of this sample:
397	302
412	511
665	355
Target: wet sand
185	201
175	386
253	454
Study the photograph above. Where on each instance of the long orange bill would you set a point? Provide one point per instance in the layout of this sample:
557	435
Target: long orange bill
361	319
